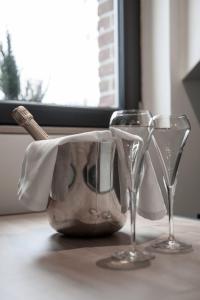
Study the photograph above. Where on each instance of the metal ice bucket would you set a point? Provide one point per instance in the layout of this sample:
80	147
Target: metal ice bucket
85	200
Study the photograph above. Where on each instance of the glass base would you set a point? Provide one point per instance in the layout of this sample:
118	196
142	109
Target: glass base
171	246
127	260
126	256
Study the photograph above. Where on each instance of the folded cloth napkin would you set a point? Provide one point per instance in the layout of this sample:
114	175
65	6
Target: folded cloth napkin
151	203
150	190
38	169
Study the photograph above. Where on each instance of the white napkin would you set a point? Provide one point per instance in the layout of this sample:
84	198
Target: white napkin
151	193
38	169
151	203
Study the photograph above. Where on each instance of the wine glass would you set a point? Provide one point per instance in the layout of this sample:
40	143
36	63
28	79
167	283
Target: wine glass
169	136
132	130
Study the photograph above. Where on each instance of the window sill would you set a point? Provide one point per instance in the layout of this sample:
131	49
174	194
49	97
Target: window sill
11	129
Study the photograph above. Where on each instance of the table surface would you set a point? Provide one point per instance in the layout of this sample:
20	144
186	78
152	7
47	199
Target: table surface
37	263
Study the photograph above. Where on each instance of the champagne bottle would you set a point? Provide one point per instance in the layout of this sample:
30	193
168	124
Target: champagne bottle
25	119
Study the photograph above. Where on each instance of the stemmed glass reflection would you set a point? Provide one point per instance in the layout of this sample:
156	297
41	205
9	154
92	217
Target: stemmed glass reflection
132	130
169	136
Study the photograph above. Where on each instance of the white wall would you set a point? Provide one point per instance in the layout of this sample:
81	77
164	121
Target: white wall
185	34
189	17
12	149
181	40
155	47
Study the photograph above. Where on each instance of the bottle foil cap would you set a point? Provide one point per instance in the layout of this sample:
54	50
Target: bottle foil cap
21	115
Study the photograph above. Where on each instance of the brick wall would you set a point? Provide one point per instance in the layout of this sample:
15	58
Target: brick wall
106	52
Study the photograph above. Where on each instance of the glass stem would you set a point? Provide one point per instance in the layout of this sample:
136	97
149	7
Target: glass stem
171	191
133	220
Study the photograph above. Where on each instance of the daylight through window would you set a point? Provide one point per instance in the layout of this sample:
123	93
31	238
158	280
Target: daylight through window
59	52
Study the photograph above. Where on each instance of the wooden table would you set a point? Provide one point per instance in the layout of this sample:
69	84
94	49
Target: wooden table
37	263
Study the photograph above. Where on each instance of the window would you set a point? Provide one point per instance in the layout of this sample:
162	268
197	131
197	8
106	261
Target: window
76	68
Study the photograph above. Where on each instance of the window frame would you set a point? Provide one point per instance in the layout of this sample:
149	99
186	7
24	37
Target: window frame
129	87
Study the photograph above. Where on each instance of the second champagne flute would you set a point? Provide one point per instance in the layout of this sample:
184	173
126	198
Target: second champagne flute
170	136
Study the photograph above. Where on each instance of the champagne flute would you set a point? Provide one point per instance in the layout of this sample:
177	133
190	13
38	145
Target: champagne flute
169	136
132	130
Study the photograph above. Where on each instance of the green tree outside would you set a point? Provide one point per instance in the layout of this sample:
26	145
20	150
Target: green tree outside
10	78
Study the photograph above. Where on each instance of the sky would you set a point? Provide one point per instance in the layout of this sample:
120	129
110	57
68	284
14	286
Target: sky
55	41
